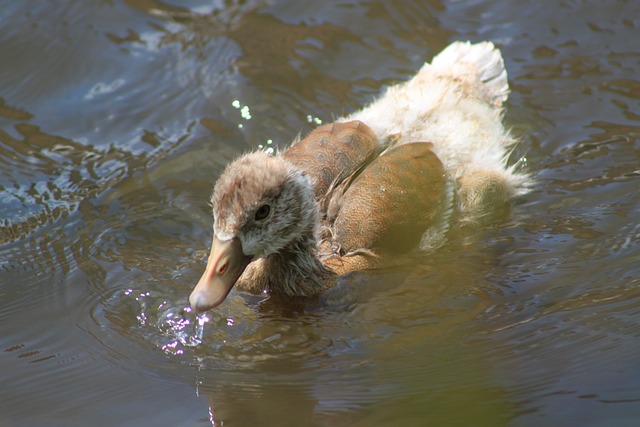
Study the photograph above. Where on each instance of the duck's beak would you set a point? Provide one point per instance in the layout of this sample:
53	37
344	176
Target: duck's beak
226	264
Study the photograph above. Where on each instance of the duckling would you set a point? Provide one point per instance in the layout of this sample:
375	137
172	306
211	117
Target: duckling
369	188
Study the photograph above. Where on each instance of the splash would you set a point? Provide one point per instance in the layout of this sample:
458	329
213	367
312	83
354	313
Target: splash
196	339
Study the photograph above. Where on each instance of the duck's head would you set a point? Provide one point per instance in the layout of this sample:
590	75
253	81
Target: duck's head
261	205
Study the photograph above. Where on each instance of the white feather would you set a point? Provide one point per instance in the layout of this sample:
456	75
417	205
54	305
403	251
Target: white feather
455	102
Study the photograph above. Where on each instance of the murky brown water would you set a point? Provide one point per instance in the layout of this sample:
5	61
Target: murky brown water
116	117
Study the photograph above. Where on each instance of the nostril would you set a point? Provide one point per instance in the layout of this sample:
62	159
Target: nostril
222	268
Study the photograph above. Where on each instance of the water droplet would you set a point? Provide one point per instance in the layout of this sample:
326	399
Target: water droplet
311	119
245	113
196	339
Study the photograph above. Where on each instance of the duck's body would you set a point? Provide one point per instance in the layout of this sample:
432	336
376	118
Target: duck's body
360	192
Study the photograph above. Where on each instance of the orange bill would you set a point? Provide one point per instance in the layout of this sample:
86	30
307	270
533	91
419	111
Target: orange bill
226	264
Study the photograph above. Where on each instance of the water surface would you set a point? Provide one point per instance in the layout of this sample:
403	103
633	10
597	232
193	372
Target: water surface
116	118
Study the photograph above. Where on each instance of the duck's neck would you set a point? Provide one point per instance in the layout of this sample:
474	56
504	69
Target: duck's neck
295	271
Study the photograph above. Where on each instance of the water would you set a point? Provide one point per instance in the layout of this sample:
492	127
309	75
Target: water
116	117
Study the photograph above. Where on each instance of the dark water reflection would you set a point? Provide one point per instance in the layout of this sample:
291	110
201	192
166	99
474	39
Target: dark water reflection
116	117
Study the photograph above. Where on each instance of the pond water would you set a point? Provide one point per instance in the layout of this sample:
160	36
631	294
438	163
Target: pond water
117	116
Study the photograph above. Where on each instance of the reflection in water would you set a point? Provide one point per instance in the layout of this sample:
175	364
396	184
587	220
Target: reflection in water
116	117
255	354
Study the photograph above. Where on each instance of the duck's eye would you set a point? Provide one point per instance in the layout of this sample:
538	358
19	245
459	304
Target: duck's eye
263	212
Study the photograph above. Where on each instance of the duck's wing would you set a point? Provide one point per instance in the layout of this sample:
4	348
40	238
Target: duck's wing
331	153
387	207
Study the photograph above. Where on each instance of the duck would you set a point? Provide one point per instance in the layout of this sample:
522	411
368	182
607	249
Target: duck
368	189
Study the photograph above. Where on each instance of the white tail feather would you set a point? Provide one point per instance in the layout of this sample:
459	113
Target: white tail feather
481	61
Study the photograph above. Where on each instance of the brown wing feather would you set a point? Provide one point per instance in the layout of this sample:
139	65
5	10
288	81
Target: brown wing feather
389	205
331	153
